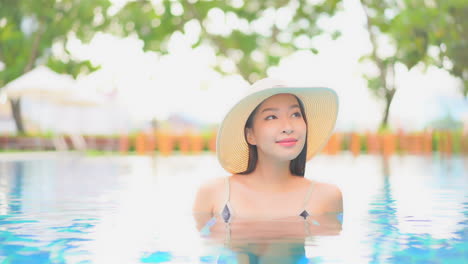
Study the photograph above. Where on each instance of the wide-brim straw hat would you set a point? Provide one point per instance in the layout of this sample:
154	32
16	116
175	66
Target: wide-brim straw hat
321	110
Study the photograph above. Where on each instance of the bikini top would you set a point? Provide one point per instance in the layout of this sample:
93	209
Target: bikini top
227	212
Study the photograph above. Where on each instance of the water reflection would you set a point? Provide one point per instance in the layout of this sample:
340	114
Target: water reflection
273	241
285	228
16	188
383	218
395	245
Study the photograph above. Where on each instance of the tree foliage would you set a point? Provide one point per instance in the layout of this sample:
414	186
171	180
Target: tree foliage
420	32
29	29
252	34
435	33
378	24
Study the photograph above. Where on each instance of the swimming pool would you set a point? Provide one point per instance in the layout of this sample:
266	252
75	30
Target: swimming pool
73	209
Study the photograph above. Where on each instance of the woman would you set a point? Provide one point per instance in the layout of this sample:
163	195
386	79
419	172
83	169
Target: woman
264	142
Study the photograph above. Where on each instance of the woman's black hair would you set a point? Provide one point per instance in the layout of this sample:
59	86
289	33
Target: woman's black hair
297	165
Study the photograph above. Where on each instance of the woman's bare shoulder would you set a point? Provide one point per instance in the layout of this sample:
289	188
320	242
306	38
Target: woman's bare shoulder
206	195
326	187
212	188
213	185
331	197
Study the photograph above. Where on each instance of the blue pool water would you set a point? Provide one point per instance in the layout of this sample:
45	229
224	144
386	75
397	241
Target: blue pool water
73	209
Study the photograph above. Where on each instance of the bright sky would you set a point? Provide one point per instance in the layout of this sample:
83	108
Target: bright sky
153	86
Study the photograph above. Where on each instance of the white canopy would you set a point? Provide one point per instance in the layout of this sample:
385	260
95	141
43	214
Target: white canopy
56	102
40	83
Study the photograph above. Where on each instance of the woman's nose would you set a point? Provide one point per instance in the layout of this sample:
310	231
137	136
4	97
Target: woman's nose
287	127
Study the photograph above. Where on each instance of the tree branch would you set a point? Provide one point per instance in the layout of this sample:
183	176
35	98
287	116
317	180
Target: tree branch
2	58
35	48
373	41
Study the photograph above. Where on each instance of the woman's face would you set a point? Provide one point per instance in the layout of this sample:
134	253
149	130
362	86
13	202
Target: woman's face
278	129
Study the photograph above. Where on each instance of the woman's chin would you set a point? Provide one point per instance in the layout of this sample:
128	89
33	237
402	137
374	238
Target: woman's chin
289	154
286	157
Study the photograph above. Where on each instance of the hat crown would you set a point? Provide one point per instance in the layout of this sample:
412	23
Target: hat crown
265	84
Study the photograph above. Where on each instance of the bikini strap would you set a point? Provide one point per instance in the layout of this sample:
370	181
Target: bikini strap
227	238
226	201
226	211
307	196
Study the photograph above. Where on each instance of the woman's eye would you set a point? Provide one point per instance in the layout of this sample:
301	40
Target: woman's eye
270	117
297	114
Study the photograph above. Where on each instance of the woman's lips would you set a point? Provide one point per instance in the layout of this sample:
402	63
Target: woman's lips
288	142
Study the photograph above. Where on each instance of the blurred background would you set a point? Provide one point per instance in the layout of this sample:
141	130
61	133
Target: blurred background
75	73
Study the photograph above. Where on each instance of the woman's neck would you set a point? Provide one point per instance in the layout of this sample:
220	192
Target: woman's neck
270	175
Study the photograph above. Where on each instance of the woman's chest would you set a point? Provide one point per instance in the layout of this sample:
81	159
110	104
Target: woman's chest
261	205
246	202
265	207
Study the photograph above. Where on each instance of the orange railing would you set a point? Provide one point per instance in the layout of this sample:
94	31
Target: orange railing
189	142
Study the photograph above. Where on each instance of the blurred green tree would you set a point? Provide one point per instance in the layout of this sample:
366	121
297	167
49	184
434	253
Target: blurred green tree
435	33
37	31
249	35
381	80
413	32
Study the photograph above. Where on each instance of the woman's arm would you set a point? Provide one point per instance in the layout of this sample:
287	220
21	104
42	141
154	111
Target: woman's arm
335	201
203	205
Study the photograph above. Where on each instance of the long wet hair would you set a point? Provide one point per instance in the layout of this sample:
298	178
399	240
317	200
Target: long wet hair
296	166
